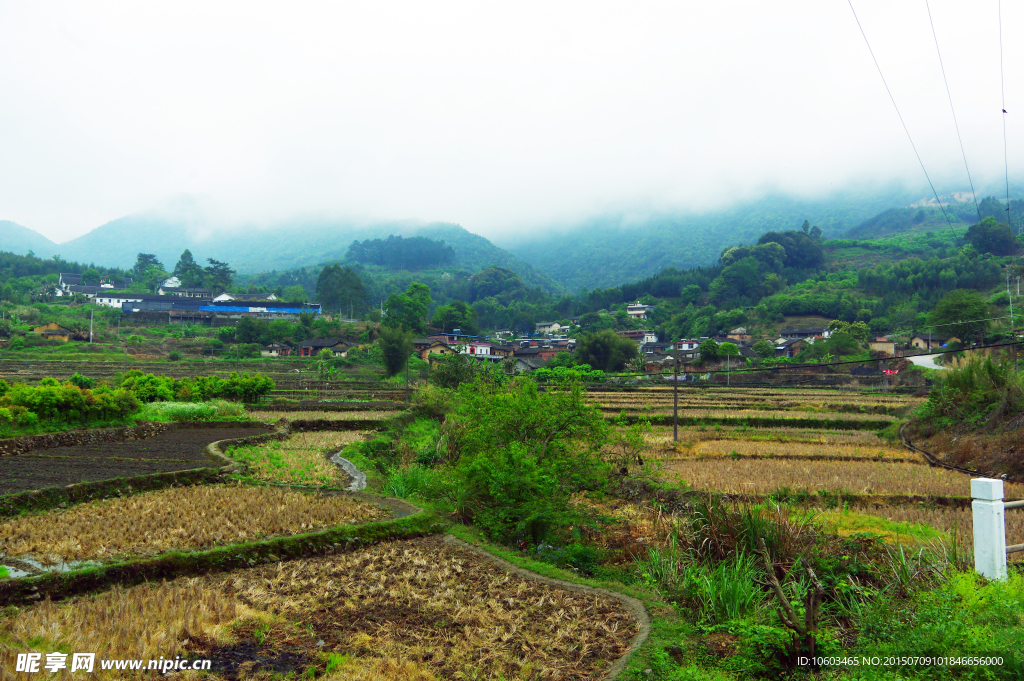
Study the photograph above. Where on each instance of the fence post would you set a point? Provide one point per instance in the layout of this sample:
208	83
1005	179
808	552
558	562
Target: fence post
989	527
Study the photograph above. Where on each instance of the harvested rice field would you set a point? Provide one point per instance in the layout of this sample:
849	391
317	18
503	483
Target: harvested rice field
302	459
417	609
172	450
762	476
735	413
825	451
197	517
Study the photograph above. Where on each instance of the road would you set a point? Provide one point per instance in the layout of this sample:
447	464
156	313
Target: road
926	361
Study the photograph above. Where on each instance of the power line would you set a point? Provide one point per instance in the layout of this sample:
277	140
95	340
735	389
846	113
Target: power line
1002	92
905	129
950	95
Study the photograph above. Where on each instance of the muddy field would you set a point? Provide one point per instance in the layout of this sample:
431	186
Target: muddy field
174	450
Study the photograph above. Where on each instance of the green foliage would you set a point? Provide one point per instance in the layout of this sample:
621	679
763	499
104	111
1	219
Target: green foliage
961	314
765	349
498	282
451	371
402	253
962	617
174	356
606	350
568	374
151	388
395	345
709	350
409	309
27	405
78	379
340	288
990	236
979	393
517	456
458	315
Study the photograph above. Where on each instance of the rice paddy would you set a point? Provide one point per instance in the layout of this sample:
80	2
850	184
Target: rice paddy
302	459
400	610
197	517
762	476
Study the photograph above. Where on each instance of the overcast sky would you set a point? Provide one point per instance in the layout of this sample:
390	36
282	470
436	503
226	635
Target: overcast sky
492	115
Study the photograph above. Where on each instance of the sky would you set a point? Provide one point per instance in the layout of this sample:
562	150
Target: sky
498	116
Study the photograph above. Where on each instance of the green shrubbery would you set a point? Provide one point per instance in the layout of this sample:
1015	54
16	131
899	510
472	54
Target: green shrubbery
979	393
240	387
26	405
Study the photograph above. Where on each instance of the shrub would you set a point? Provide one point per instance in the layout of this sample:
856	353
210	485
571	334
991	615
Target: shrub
82	381
174	356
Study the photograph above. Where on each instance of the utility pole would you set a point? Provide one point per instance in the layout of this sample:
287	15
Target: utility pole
1013	332
407	379
675	397
90	325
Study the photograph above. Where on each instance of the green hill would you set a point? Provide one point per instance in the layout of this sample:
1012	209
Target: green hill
21	240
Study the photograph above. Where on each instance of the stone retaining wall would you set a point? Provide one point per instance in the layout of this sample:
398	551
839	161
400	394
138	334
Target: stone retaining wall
74	438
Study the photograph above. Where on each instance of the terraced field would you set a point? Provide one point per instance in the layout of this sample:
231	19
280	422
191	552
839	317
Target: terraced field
882	484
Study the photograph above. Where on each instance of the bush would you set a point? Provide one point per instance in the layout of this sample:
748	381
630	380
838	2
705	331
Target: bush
174	356
82	381
974	394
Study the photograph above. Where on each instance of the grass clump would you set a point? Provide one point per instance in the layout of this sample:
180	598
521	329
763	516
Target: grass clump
213	410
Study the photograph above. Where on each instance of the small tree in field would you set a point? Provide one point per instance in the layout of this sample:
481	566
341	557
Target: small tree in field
395	346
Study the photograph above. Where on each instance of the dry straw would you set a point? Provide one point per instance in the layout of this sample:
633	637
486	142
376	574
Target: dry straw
180	518
302	459
760	476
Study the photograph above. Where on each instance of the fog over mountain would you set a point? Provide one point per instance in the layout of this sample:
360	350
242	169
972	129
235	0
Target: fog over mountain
503	120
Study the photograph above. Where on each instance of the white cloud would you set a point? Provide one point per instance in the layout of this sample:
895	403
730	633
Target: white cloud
493	116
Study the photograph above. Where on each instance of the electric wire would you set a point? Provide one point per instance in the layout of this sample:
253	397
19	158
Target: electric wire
949	94
905	128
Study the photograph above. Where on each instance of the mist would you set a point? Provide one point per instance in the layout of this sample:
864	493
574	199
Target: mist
504	119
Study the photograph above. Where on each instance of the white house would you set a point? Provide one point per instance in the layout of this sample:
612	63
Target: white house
638	310
475	348
115	299
548	327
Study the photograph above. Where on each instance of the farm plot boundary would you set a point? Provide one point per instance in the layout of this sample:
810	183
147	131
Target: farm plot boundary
758	422
58	586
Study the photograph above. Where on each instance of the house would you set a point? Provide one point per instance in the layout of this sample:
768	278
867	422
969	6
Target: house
502	350
475	348
311	348
883	344
823	332
117	298
548	327
689	348
54	331
529	352
640	335
929	341
238	296
186	292
740	335
638	310
648	348
436	347
421	344
276	350
789	347
527	364
68	279
657	363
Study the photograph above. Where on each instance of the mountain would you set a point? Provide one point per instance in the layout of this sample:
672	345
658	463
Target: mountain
615	248
249	248
17	239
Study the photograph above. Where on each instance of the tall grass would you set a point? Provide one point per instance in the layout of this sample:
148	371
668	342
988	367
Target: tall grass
977	392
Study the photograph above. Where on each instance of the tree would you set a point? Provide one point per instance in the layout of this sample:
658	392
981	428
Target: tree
340	288
90	275
709	350
294	294
765	349
145	260
217	277
409	309
728	349
606	350
961	313
990	236
458	315
857	330
188	271
395	345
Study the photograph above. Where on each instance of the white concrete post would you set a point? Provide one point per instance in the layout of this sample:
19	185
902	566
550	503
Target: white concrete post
989	527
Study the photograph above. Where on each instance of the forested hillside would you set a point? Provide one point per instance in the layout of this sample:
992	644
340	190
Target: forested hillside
610	249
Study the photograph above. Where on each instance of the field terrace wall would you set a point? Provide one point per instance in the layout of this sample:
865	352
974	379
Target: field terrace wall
70	438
